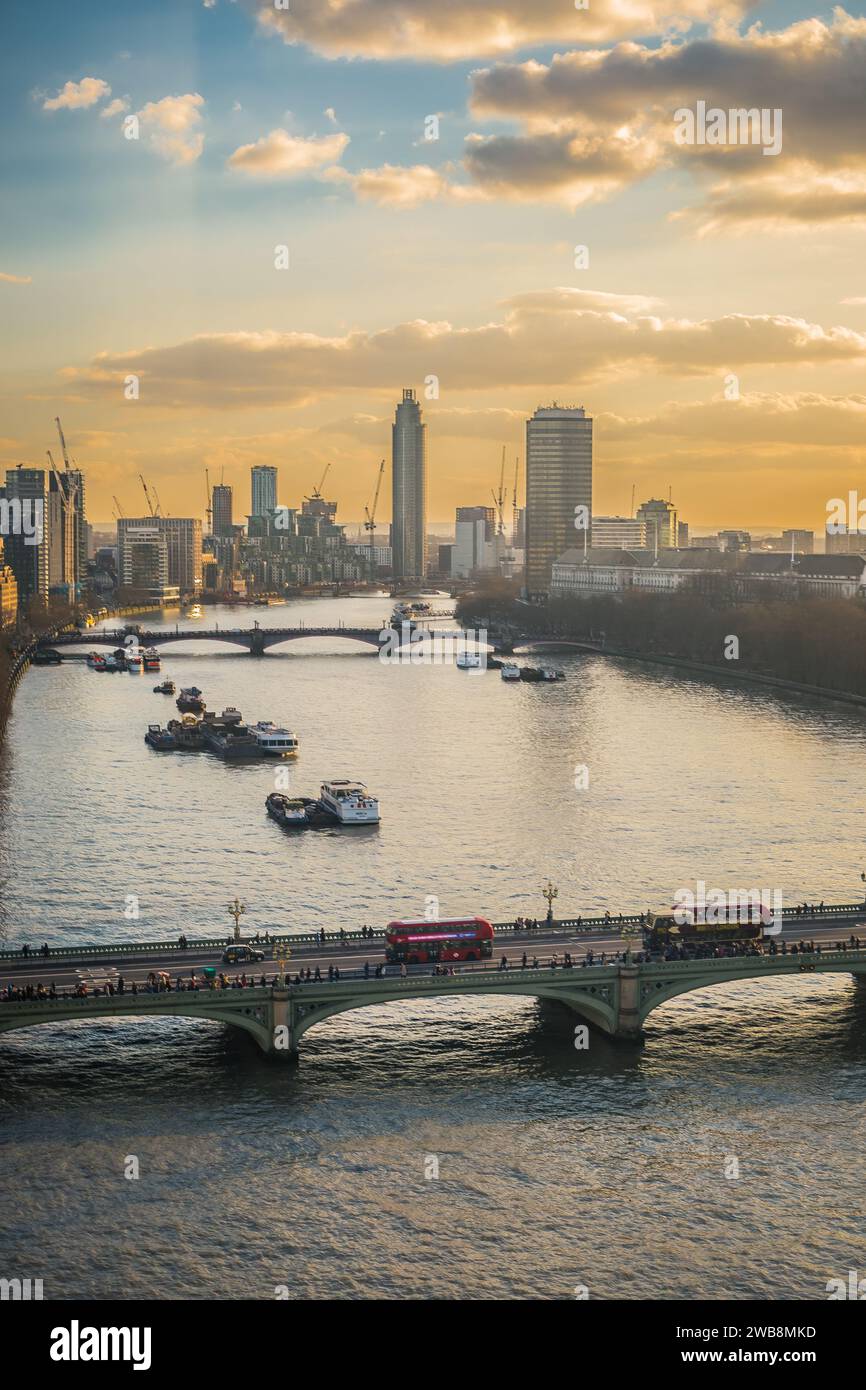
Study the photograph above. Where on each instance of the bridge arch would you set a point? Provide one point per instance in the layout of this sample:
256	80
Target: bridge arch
251	1016
656	993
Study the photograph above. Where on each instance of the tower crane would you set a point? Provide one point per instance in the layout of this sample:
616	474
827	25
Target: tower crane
147	495
499	497
317	491
370	519
120	511
62	443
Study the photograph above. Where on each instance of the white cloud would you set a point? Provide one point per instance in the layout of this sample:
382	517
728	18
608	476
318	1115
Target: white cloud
76	96
281	155
172	126
115	108
16	279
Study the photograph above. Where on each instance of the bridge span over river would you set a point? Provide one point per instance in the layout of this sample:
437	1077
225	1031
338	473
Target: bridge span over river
615	997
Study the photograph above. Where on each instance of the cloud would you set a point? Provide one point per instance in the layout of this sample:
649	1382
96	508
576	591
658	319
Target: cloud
16	279
76	96
115	108
854	299
281	155
596	120
172	126
404	186
806	420
331	114
541	341
457	29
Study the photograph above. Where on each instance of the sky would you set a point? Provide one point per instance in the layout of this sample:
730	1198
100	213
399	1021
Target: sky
233	233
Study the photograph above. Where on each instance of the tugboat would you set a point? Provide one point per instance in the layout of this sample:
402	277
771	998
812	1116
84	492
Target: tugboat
510	671
292	812
166	688
151	659
159	738
349	802
189	701
275	742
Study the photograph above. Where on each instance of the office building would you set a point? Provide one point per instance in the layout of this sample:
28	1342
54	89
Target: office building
409	490
263	485
160	552
618	533
222	510
24	529
475	549
558	488
8	592
660	517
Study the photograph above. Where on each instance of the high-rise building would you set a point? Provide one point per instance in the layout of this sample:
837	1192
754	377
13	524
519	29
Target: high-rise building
8	592
65	553
165	548
474	547
25	531
263	483
849	542
222	510
409	489
558	488
618	533
661	523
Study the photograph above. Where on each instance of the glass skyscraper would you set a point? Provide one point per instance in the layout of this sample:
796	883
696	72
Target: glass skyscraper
558	482
264	490
409	490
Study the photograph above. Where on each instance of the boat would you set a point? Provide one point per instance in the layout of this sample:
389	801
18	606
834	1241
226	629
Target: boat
230	740
159	738
293	812
349	802
195	611
469	661
120	658
189	701
151	659
46	656
510	671
552	673
275	742
110	664
95	660
165	688
186	733
134	660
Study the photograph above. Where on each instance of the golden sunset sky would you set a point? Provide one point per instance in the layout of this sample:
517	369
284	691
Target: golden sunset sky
453	257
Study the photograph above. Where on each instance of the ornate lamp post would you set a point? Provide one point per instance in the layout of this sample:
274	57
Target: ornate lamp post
236	910
550	893
628	934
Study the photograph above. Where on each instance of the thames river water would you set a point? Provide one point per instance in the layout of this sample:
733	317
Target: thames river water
609	1168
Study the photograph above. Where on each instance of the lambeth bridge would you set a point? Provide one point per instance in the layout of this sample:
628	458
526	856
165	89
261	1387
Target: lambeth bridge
615	998
256	639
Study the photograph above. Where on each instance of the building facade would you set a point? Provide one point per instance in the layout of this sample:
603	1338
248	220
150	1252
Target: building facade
25	532
409	490
263	490
660	519
222	510
475	549
161	552
618	533
558	483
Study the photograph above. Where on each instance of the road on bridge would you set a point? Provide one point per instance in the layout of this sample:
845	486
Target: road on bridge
350	956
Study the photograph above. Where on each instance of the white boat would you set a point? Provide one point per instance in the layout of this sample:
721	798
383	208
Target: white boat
350	802
275	742
195	611
134	660
510	671
552	673
151	659
469	661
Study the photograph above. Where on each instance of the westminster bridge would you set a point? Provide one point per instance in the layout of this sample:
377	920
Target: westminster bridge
615	998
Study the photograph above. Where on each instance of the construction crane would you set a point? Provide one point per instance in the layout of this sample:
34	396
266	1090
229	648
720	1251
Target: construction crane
62	443
209	508
147	495
120	511
370	519
317	491
158	503
499	497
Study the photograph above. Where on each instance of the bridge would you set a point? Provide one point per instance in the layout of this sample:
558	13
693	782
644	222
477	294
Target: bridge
616	998
256	639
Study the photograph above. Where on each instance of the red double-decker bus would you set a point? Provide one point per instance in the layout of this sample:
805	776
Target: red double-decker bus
456	938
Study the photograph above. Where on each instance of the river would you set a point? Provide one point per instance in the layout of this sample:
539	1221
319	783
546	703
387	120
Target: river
716	1161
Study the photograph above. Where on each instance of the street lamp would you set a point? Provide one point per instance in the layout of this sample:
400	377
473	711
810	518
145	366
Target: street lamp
550	893
236	910
628	934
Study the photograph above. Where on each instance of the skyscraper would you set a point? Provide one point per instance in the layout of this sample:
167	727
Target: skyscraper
26	540
264	490
409	489
660	517
558	481
222	510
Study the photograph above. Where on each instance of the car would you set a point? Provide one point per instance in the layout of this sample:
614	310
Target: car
234	955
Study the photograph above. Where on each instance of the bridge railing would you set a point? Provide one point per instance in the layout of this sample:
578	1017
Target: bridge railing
560	925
